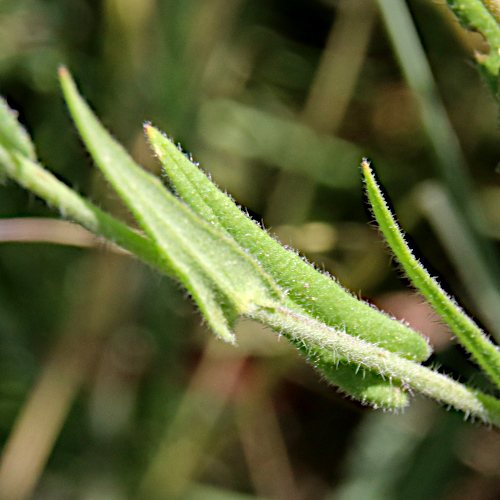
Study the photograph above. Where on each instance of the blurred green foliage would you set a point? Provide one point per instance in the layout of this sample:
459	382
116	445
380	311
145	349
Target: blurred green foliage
122	390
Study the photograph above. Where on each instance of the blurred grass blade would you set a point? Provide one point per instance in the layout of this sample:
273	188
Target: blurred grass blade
224	281
290	145
13	136
470	336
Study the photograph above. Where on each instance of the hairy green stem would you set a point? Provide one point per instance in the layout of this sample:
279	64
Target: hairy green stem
468	333
35	178
451	162
314	335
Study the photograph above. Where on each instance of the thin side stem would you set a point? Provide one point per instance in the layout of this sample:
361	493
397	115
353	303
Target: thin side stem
410	375
451	161
468	333
35	178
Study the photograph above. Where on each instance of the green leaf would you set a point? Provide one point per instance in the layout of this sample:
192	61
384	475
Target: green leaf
317	293
470	336
308	291
493	8
224	281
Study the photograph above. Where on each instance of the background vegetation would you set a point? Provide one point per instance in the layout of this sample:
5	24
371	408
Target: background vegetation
110	386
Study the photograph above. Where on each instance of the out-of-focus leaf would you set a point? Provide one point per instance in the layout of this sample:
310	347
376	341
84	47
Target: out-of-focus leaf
224	281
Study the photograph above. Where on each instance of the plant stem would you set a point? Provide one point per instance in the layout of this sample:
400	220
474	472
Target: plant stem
451	162
317	336
35	178
468	333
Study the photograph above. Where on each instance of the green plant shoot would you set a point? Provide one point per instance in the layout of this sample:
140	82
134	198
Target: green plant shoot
470	336
232	268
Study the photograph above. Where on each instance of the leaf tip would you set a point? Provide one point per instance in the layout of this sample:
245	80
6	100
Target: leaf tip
152	133
67	83
366	167
63	72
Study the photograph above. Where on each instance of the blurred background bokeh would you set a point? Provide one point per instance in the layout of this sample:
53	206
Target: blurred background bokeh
111	387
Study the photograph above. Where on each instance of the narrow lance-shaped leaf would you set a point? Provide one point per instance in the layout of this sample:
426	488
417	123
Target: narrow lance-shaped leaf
317	293
224	281
472	338
298	278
